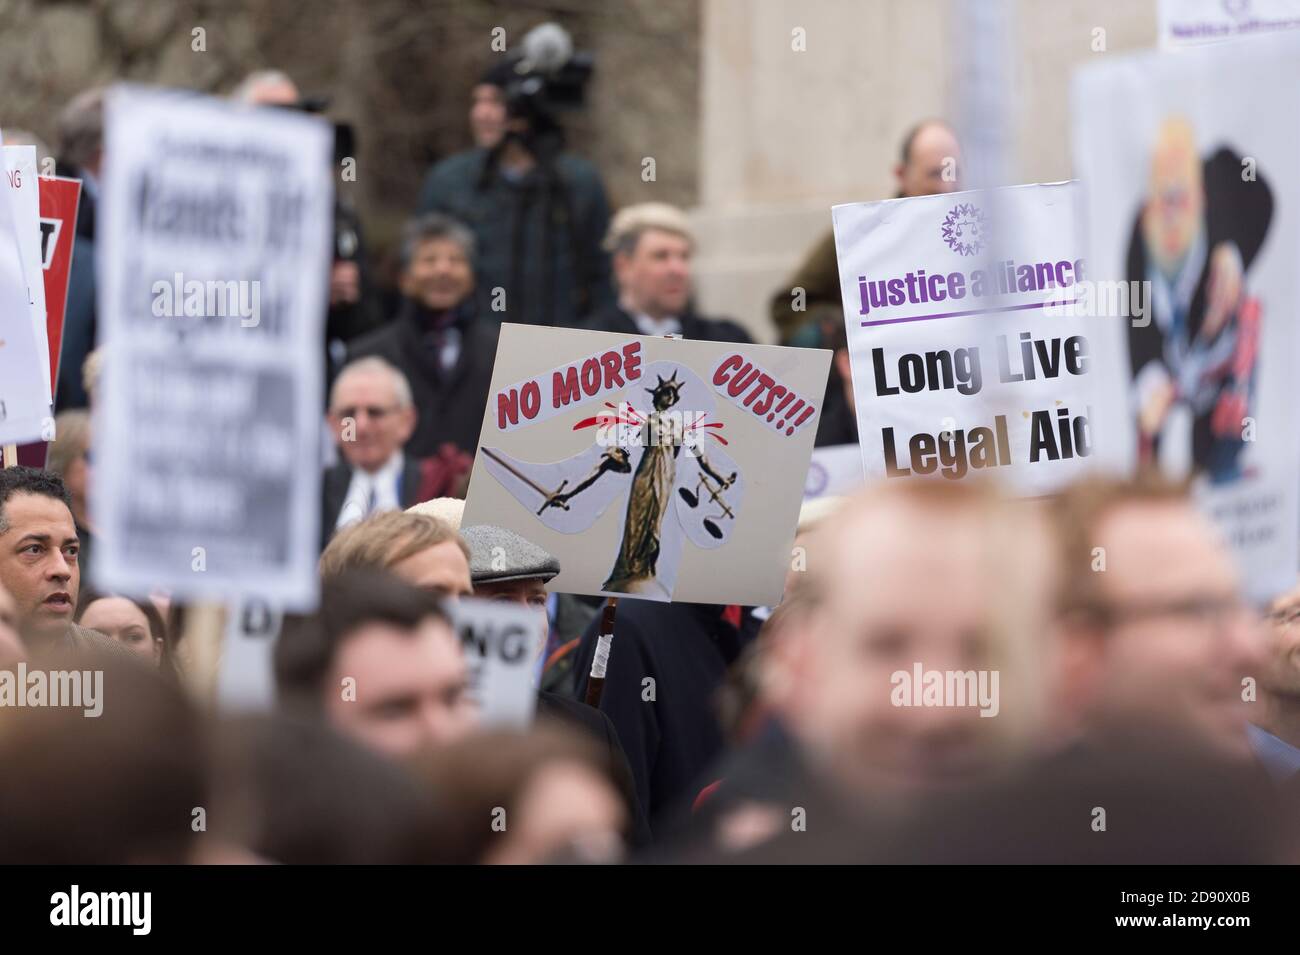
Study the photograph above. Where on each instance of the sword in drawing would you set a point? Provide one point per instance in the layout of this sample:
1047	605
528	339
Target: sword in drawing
551	497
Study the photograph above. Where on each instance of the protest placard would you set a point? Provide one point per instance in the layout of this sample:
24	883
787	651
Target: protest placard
1194	199
1184	23
59	198
24	194
24	387
216	225
246	674
651	467
501	643
965	358
833	471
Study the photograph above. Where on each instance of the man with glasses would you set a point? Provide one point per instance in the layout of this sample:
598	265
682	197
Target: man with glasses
1275	719
372	416
1157	638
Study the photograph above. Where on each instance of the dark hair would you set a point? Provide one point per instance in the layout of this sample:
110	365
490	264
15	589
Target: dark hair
308	644
297	792
493	768
25	480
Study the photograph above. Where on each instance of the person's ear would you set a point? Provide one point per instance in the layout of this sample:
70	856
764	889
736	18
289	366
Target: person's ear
407	419
899	170
621	261
335	424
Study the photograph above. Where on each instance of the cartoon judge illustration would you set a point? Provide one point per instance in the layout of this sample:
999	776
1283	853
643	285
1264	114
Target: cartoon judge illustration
671	494
1194	239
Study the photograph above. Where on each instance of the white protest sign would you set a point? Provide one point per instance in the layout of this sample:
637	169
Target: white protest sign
24	381
962	361
25	201
245	677
1194	199
1193	22
834	471
501	643
656	468
215	225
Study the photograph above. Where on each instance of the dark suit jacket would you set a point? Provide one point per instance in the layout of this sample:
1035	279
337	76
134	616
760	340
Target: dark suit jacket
686	649
694	327
450	404
334	491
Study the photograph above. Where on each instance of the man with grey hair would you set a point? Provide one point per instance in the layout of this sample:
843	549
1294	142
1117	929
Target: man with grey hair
372	416
652	245
438	341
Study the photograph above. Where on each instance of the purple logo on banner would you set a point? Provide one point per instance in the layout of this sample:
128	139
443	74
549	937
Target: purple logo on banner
963	229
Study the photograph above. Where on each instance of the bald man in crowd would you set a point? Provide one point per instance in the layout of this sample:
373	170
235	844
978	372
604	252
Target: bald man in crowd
928	165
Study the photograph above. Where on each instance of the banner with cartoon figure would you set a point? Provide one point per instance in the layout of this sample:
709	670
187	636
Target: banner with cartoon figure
651	467
1192	199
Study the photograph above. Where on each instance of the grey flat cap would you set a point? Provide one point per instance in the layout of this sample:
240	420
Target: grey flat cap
497	554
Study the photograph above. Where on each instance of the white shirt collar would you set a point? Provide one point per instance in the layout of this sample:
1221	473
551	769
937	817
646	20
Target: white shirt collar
384	485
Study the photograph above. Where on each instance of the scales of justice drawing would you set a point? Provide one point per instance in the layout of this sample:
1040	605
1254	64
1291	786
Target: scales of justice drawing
665	453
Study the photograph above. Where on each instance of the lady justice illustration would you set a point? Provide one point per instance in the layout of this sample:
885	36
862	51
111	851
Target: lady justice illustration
703	490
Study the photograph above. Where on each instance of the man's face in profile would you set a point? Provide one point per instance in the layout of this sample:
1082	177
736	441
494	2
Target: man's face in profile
38	563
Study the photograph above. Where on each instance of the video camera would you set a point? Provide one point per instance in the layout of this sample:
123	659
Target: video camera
544	79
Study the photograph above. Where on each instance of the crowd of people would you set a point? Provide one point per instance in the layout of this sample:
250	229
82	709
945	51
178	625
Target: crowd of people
1123	702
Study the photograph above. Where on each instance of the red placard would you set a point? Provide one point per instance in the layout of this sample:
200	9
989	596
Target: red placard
58	199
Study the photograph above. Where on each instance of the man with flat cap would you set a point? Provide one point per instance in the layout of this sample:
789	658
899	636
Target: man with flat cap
504	566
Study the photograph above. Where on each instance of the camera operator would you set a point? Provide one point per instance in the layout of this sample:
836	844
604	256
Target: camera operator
538	213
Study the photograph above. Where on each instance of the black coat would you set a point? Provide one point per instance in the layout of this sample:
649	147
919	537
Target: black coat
451	404
838	423
694	327
539	237
686	649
